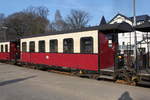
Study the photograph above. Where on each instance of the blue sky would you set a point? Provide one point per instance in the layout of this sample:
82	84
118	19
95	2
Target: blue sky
96	8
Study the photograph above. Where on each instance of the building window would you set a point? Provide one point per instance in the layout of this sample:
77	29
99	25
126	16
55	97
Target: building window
142	50
24	47
32	46
53	46
2	48
123	43
131	52
86	45
42	46
6	48
68	45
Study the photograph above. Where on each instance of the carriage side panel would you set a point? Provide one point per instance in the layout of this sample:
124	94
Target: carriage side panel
77	60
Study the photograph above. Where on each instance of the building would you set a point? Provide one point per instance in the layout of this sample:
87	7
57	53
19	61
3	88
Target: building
126	40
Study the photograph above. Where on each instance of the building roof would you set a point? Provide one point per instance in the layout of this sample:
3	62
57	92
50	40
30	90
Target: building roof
141	18
138	18
145	27
119	15
116	28
103	21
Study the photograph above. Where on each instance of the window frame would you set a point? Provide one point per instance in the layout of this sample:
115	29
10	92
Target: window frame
24	49
2	48
71	48
31	49
40	48
51	50
83	49
6	47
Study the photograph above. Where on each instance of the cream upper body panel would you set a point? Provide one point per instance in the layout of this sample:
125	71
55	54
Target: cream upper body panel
5	43
76	36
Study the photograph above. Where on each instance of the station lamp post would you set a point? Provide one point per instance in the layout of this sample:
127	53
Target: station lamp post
135	35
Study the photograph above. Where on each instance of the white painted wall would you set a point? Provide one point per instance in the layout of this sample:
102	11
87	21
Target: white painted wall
76	37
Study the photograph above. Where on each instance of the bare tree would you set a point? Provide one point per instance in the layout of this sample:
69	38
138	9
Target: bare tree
33	20
38	11
77	19
2	16
2	30
27	22
59	24
51	27
16	25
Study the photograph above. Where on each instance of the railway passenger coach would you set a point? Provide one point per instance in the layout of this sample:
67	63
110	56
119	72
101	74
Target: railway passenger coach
77	49
4	50
9	50
89	49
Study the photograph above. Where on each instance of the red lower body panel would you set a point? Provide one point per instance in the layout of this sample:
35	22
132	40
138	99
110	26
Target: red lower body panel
77	61
4	55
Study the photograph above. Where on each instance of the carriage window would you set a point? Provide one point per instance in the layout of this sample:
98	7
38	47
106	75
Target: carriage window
68	45
6	48
24	46
32	46
86	45
2	48
53	46
41	46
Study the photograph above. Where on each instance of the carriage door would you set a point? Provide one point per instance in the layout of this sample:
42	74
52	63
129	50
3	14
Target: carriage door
14	50
106	51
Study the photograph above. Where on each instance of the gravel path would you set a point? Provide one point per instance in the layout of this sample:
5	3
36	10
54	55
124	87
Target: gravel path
18	83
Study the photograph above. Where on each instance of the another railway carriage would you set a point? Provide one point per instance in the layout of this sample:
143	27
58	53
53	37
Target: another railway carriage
4	50
9	50
78	49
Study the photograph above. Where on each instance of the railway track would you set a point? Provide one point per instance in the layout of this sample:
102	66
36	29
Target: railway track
102	77
83	75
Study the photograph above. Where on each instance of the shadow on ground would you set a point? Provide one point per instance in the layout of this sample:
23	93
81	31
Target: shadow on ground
125	96
15	80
